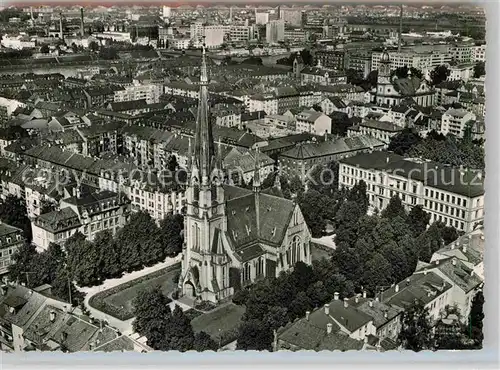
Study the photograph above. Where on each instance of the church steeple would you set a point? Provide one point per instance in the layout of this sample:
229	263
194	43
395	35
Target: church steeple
203	156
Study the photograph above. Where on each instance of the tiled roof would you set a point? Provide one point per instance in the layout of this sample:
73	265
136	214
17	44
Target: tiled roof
423	287
125	106
327	148
375	309
381	125
59	220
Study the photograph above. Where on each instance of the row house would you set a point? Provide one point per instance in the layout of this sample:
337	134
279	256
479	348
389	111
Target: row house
313	122
380	130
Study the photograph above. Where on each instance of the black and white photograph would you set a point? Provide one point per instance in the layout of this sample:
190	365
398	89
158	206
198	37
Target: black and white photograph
220	177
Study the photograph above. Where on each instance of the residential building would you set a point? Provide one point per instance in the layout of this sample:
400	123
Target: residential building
244	236
214	36
11	239
291	17
32	320
332	59
87	212
296	35
380	130
149	92
242	162
422	60
450	195
261	18
461	72
455	121
313	122
427	288
479	53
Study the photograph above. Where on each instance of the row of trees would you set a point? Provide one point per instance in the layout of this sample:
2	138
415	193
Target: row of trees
139	243
164	329
49	267
439	148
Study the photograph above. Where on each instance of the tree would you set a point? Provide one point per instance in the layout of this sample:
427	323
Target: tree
439	74
44	49
253	335
307	57
179	333
13	212
418	220
404	141
151	311
476	318
394	209
253	60
377	273
172	164
300	305
170	234
22	261
479	69
416	330
353	76
372	79
46	207
109	253
204	342
84	261
93	46
340	123
62	287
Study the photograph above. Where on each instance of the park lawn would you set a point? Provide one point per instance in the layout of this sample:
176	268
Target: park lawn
318	252
225	318
126	296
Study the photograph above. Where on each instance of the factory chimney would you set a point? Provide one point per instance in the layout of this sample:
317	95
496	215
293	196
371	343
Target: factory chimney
82	25
61	34
400	28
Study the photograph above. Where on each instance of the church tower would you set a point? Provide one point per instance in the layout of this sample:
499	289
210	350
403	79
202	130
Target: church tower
384	89
205	270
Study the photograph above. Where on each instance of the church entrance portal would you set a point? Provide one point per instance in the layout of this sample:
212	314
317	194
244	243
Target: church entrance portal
189	289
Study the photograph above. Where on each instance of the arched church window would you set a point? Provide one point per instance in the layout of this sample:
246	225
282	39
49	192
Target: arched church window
246	274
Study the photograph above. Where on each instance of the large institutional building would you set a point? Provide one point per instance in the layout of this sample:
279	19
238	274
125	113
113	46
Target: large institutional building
450	195
233	236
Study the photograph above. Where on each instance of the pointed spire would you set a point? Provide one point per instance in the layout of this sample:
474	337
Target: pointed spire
277	180
204	150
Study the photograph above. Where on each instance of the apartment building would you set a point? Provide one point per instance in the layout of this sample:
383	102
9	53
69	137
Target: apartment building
11	239
479	53
87	212
450	195
332	59
423	61
275	31
454	121
313	122
148	92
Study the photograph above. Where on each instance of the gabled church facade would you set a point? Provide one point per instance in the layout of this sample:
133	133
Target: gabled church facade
392	91
233	236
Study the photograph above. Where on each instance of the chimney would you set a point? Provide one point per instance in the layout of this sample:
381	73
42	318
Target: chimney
472	273
346	304
436	262
356	299
397	288
307	315
425	271
61	27
370	303
408	281
464	249
376	299
327	309
52	316
454	261
336	296
329	328
385	315
82	25
387	159
364	293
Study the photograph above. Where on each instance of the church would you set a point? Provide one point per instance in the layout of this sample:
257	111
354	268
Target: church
393	90
232	236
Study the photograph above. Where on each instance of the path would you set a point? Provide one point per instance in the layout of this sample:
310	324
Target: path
327	241
124	327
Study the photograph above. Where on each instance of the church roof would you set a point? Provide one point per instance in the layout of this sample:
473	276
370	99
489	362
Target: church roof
407	86
249	221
